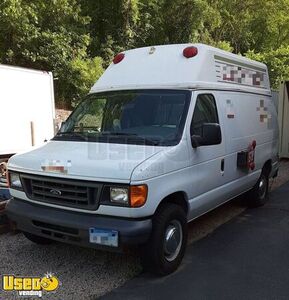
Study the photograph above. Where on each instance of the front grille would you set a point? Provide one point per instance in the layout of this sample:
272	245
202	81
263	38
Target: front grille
64	192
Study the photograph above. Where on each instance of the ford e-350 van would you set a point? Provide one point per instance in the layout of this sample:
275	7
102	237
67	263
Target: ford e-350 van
167	134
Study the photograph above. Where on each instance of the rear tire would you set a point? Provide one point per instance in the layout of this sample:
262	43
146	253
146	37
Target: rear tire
165	249
37	239
258	195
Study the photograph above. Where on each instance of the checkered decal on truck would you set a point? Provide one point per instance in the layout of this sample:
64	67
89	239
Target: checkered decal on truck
265	116
229	72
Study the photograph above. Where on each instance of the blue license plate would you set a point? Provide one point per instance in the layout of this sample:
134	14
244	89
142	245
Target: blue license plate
103	237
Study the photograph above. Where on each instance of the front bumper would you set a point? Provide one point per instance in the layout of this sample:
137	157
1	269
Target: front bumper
73	227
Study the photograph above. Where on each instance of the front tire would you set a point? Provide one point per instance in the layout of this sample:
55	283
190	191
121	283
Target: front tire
37	239
165	250
258	195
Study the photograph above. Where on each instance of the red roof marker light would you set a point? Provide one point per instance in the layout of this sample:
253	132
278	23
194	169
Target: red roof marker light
118	58
190	52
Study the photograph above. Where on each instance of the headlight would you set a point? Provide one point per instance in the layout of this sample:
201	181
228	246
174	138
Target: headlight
132	196
119	195
14	181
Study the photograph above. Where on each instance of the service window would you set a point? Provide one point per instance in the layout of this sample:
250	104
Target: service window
205	112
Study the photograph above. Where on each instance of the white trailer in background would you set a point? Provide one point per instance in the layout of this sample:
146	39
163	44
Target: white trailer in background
27	111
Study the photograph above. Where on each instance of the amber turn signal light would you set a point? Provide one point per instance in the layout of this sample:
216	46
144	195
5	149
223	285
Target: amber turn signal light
138	195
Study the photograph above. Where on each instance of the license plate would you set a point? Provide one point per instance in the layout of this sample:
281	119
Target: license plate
103	237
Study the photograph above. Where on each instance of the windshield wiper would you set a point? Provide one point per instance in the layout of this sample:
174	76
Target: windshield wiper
117	133
130	136
72	134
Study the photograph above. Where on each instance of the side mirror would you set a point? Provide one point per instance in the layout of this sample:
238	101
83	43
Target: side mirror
211	135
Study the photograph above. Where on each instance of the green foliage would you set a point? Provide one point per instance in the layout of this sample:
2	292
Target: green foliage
68	37
48	35
277	62
84	74
113	25
253	24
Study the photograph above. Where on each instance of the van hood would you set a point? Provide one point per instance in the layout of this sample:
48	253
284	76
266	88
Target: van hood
84	160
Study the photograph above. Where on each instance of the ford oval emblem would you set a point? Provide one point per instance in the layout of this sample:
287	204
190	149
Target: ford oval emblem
55	192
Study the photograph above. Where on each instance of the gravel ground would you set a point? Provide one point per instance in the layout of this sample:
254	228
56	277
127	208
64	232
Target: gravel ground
83	273
88	273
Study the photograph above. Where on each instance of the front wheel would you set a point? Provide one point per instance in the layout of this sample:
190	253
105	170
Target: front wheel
165	250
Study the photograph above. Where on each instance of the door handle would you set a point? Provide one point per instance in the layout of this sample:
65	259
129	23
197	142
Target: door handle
222	166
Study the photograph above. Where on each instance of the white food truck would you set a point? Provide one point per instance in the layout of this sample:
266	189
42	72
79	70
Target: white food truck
167	134
27	113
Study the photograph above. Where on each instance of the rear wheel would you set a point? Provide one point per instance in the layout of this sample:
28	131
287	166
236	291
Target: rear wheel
258	196
165	250
37	239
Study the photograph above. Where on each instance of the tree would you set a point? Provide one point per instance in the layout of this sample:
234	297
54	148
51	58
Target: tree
68	37
178	21
186	21
150	23
277	62
112	27
252	24
48	35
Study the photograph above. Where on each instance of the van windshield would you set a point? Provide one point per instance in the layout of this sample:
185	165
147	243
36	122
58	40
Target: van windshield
149	117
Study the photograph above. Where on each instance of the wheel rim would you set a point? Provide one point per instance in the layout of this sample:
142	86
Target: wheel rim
173	240
262	187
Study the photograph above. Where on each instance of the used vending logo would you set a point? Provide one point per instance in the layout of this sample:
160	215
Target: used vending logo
30	286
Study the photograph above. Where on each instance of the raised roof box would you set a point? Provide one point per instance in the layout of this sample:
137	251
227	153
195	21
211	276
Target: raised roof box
169	66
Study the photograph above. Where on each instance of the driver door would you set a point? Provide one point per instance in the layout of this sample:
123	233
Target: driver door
208	161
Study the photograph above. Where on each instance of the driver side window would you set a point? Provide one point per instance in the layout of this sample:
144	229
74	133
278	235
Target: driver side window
205	112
